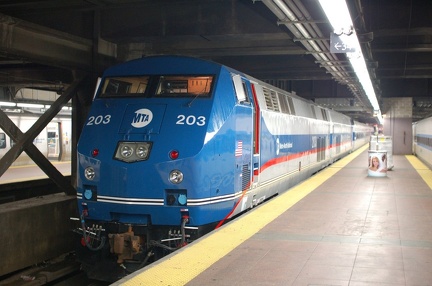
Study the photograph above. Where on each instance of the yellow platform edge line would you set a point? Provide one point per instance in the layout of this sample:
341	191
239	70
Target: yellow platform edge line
178	268
423	170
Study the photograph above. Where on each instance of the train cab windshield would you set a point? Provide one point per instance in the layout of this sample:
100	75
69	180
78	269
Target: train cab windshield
158	86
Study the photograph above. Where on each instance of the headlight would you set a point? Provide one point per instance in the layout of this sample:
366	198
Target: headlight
176	177
89	173
142	151
126	151
132	151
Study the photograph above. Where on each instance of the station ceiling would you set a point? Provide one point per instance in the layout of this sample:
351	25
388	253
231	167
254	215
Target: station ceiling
45	43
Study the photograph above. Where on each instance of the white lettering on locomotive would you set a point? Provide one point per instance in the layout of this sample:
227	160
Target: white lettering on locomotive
282	146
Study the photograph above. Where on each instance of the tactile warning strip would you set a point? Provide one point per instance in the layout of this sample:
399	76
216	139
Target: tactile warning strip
422	169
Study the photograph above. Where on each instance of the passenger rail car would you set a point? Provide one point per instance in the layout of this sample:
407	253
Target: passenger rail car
174	146
53	141
422	143
361	134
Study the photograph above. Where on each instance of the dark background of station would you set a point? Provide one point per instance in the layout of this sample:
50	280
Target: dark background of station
46	43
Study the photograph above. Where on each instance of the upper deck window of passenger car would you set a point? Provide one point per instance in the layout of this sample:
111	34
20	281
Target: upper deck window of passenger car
184	86
124	86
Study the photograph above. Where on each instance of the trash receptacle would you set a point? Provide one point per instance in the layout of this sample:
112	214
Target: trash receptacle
383	143
377	164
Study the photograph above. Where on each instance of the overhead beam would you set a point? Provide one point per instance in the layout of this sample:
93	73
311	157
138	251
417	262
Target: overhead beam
50	47
251	44
34	76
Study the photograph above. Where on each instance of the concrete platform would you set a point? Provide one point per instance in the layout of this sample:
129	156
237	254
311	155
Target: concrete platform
340	227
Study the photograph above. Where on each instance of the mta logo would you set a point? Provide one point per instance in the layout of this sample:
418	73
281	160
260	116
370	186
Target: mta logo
142	118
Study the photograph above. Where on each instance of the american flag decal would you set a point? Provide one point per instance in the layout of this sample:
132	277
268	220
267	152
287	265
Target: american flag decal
239	149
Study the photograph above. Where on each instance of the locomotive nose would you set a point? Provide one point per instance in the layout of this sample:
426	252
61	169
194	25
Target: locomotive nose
143	118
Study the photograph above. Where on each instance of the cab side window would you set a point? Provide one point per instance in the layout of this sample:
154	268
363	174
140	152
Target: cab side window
240	89
2	141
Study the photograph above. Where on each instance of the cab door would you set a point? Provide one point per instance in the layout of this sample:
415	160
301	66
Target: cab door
256	161
244	133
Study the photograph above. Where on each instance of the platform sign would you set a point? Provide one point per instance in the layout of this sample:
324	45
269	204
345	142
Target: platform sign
341	43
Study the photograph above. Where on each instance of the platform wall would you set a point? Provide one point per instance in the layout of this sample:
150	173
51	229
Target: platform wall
35	230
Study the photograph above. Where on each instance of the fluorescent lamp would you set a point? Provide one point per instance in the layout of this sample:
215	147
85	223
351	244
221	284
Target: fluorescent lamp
30	105
339	17
362	73
5	103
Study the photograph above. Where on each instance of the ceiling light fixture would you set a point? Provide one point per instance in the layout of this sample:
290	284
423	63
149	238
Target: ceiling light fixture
30	105
7	103
339	17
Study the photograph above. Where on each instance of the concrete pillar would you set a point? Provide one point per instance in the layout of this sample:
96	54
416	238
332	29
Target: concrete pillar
398	123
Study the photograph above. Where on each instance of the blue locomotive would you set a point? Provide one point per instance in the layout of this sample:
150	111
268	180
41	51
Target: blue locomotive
174	146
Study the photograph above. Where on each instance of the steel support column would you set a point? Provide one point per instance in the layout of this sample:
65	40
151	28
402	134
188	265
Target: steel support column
24	140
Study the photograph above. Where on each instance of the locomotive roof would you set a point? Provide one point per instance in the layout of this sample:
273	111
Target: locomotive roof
176	64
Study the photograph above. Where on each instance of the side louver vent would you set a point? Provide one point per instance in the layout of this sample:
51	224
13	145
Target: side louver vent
245	177
271	99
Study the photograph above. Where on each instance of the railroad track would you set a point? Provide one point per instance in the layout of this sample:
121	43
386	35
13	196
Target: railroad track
63	271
